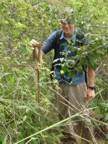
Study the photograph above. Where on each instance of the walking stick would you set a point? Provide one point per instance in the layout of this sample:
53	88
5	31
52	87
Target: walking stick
37	57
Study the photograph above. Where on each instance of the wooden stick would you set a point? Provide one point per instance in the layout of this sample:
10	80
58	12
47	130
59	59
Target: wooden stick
37	56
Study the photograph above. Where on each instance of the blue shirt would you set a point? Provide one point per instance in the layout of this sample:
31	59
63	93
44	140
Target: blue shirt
49	44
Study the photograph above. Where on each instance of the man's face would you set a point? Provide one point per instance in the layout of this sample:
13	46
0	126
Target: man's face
67	27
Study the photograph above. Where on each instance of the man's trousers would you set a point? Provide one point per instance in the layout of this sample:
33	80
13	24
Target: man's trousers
71	99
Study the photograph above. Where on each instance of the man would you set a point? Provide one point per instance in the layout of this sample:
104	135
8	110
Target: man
74	93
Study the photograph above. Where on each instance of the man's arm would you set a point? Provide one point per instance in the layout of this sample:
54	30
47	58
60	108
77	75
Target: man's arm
91	77
47	46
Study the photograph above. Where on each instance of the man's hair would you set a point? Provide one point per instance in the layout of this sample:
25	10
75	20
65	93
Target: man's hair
67	16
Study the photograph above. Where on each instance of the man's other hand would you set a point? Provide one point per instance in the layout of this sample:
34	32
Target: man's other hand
90	94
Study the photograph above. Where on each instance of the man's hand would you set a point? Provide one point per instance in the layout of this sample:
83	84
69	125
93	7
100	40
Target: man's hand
36	49
90	94
34	43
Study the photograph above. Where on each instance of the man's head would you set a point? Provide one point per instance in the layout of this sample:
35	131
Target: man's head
67	22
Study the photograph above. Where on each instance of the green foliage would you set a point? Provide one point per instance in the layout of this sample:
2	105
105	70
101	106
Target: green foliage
21	21
103	107
4	142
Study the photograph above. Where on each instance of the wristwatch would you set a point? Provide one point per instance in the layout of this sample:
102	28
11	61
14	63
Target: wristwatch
92	88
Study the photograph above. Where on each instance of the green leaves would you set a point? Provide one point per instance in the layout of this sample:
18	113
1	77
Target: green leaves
103	107
21	21
5	140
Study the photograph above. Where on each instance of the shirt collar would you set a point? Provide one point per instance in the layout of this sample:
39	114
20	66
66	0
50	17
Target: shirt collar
62	36
72	38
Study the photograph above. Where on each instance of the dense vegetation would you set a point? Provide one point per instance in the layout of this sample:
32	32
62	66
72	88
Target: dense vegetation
22	20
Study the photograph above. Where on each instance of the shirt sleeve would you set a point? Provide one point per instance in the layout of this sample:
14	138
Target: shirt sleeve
49	43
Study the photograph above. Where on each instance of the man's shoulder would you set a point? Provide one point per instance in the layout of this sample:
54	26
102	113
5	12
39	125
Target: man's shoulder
58	33
55	34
